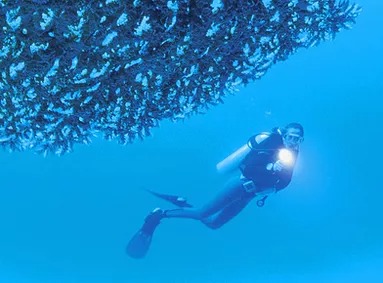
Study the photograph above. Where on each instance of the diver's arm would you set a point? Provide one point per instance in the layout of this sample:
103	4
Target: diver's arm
232	162
284	172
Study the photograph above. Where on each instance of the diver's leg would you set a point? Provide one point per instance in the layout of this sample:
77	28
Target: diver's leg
139	244
233	191
229	212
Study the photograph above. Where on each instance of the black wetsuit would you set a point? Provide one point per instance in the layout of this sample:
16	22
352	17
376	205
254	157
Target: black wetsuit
229	202
254	166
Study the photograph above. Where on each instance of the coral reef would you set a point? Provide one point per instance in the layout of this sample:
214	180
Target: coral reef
71	69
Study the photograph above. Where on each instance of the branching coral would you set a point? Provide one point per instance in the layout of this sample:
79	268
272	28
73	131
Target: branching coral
70	69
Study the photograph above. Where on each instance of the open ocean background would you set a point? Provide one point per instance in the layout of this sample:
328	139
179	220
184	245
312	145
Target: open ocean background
67	219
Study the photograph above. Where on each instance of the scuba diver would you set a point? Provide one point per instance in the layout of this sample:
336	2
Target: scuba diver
266	163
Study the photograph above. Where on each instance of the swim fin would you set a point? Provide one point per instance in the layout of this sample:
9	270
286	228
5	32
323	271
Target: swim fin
139	244
176	200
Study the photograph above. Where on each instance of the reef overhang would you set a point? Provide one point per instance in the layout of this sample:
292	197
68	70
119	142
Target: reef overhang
72	69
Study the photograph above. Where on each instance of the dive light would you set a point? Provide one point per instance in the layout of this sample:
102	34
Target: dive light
286	157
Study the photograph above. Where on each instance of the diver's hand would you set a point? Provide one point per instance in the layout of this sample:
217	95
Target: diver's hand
278	166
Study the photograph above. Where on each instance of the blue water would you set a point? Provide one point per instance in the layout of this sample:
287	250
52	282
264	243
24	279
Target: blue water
67	219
